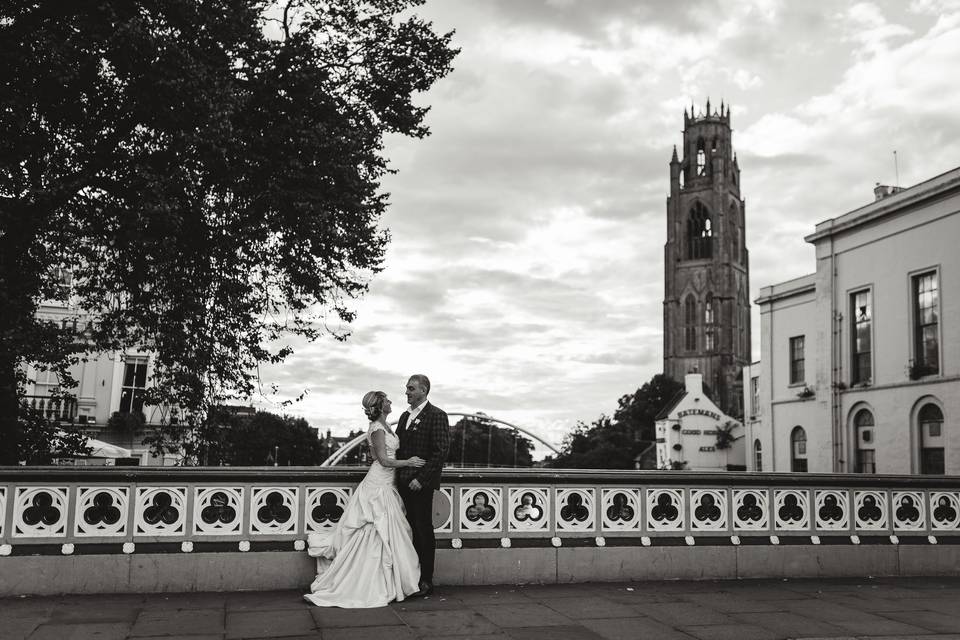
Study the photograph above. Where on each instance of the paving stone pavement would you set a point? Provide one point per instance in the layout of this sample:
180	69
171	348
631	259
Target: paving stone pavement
849	609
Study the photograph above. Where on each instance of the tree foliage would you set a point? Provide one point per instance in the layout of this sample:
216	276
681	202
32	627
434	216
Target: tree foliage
208	171
45	439
614	443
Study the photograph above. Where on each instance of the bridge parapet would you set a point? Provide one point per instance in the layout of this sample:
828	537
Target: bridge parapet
134	514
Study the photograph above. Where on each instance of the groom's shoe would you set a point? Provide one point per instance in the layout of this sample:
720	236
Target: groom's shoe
426	589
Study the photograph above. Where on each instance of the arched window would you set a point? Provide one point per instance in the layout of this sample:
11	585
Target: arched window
690	323
798	449
865	460
735	243
757	456
734	236
709	314
930	419
699	233
701	158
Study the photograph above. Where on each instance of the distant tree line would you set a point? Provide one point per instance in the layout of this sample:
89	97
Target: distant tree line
616	442
263	438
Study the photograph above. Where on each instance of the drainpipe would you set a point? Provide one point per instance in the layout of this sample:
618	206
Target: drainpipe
769	383
836	364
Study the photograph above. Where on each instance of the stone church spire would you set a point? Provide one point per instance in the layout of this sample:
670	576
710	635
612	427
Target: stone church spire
706	307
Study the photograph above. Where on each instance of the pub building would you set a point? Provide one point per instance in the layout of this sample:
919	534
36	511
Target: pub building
693	434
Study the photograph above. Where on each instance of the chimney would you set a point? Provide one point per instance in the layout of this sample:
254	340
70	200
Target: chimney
693	382
882	191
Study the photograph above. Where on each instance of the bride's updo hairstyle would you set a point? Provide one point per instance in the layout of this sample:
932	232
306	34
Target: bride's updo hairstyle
373	404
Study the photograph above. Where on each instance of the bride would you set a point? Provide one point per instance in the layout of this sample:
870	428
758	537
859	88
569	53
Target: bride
368	559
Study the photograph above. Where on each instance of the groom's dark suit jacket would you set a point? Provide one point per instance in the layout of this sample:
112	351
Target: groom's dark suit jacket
429	438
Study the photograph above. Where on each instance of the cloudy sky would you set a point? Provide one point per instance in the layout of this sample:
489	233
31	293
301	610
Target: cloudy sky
525	274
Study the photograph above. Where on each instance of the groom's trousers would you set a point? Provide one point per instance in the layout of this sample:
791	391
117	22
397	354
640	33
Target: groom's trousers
419	506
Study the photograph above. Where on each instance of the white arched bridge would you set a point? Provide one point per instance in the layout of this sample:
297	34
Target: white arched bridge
480	419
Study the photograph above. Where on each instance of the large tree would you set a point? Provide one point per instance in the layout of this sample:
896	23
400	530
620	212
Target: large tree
208	170
614	443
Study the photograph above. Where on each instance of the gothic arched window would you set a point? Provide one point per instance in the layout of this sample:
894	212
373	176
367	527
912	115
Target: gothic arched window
699	233
757	456
690	323
709	316
734	235
701	158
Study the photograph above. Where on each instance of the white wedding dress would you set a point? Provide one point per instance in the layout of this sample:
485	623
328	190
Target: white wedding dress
368	559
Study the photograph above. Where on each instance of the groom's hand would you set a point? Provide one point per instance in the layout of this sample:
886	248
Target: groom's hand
415	485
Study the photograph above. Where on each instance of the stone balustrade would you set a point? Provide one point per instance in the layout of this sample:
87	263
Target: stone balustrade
483	519
53	408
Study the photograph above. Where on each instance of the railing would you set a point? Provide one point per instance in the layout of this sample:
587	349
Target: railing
52	408
53	510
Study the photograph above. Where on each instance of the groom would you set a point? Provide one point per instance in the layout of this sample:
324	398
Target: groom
423	431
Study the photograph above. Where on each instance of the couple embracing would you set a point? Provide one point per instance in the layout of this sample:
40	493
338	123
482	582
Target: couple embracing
382	549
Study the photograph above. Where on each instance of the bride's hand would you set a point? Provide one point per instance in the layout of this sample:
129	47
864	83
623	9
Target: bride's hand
415	461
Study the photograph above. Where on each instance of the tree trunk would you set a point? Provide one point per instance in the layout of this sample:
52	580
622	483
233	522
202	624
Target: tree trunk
19	288
10	433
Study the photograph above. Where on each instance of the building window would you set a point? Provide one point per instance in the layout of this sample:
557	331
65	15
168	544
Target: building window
861	311
930	421
926	324
755	393
798	450
757	456
134	385
64	284
699	233
797	374
709	314
865	460
701	158
690	323
734	235
736	244
46	381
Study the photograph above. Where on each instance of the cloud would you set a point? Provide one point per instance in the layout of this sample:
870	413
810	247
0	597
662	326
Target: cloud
525	274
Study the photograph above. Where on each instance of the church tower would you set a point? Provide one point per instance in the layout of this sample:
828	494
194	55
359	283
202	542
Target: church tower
706	306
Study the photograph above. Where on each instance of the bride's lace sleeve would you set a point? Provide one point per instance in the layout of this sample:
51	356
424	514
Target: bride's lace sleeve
372	429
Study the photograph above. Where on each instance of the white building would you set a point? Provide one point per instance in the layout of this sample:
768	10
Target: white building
860	361
694	434
108	383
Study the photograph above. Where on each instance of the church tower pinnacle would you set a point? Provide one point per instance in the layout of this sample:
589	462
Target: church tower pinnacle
706	307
